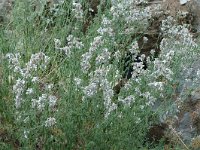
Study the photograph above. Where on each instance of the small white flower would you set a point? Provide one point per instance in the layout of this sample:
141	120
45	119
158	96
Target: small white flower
50	122
198	72
35	79
128	100
26	134
57	43
52	100
77	81
158	85
90	90
152	52
49	86
29	91
34	103
145	39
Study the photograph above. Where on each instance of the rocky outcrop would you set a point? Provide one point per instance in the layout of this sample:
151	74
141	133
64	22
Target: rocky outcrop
196	9
5	7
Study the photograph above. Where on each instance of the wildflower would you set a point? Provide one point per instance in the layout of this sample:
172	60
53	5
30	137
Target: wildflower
14	62
134	48
18	89
157	85
18	100
26	134
29	91
98	41
72	43
110	109
34	103
77	81
90	90
85	63
52	101
49	86
50	122
34	63
57	43
19	86
145	39
40	103
35	79
198	72
77	10
128	100
117	56
103	57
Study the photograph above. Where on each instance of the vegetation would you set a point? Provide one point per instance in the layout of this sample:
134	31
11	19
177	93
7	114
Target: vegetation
60	65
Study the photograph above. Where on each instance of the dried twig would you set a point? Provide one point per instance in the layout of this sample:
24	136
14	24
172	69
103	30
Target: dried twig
179	138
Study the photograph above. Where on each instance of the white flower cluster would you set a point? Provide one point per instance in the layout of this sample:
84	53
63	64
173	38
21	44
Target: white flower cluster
106	27
18	90
86	58
167	24
72	43
77	9
134	48
38	60
138	67
130	11
50	122
157	85
127	101
103	58
14	63
150	100
98	80
43	100
162	69
27	84
107	95
179	33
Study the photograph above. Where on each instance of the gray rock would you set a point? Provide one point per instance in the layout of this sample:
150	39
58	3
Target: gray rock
196	9
195	95
5	7
185	128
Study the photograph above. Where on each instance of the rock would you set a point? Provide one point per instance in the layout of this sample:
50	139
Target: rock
185	128
195	95
182	2
185	122
196	8
5	7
